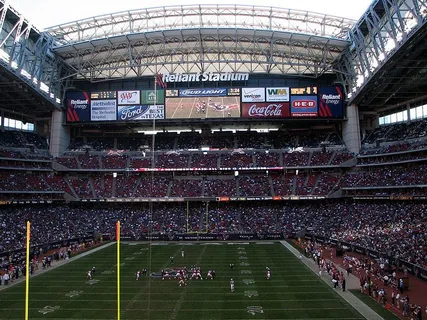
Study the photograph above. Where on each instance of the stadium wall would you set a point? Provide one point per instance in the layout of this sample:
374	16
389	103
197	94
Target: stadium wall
351	129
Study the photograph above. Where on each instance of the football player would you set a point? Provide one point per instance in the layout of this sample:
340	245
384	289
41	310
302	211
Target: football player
268	273
89	275
138	273
232	285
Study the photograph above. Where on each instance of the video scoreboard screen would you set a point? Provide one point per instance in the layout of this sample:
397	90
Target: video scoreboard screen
311	102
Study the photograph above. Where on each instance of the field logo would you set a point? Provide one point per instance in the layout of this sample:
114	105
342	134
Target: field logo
277	94
244	264
129	97
73	293
253	95
251	294
246	272
248	281
48	309
255	309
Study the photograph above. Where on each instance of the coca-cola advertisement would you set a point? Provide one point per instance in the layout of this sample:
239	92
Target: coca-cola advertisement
265	110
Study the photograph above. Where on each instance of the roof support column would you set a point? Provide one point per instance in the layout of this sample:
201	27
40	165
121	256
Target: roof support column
351	129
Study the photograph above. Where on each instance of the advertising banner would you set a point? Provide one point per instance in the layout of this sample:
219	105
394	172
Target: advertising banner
129	97
264	110
277	94
103	110
202	107
141	112
149	97
253	95
78	107
304	106
203	92
331	102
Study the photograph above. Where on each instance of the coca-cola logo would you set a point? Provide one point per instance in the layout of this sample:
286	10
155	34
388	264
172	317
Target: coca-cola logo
271	110
304	104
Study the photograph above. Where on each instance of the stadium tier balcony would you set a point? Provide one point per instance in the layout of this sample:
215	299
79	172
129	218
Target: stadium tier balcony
186	188
25	164
341	157
134	143
22	139
57	183
165	141
15	181
220	187
68	162
125	185
172	160
103	186
152	187
267	159
135	163
223	221
236	160
219	140
6	153
100	143
319	158
254	186
189	140
114	161
251	140
87	161
282	184
325	183
201	160
81	187
296	159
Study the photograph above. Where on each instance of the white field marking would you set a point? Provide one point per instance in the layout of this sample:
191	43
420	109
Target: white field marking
121	264
137	253
238	243
130	258
254	309
92	282
179	303
243	258
241	252
58	264
132	244
144	249
244	264
160	244
266	242
192	107
204	287
164	308
48	309
241	248
246	271
186	244
70	294
211	244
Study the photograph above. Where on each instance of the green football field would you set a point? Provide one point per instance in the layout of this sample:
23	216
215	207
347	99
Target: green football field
293	292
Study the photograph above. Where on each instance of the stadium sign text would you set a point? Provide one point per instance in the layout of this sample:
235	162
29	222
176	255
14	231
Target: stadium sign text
207	76
331	98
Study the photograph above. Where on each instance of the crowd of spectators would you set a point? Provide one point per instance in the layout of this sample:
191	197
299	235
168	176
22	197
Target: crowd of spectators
395	229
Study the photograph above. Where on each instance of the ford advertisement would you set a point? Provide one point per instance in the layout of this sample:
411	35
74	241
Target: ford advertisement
140	112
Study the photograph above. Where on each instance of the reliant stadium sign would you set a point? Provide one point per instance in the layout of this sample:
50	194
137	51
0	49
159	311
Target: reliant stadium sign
207	76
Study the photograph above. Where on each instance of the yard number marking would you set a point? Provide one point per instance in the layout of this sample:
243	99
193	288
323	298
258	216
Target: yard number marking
48	309
255	309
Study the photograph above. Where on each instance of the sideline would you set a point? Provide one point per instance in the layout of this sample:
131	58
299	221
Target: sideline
362	308
56	264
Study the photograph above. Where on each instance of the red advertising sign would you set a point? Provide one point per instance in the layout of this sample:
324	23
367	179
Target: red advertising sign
259	110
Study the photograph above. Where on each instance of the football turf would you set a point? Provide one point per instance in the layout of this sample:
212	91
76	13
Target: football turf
293	292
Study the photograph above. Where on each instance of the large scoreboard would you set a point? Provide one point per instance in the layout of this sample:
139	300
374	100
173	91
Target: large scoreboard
310	102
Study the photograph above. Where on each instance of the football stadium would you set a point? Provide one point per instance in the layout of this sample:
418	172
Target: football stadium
215	162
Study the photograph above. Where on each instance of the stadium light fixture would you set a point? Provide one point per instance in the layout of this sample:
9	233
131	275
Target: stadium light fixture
14	65
44	87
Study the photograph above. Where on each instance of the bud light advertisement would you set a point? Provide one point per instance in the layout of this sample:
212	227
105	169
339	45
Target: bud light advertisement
331	102
78	106
140	112
304	106
203	92
261	110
